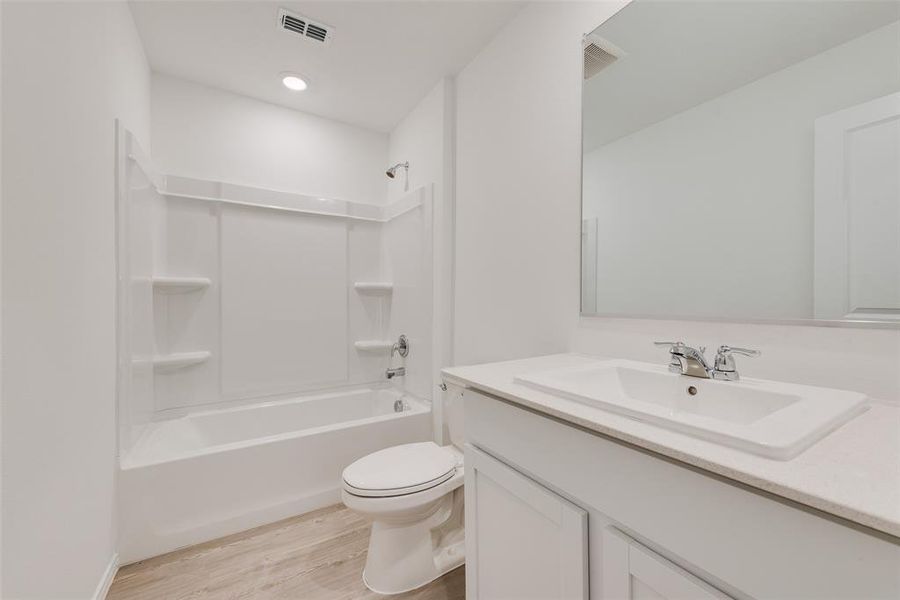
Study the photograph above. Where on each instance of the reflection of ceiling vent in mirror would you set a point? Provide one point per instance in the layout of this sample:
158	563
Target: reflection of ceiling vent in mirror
598	54
298	25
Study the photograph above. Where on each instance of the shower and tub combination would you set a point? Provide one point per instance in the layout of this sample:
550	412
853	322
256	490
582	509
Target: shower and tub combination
259	348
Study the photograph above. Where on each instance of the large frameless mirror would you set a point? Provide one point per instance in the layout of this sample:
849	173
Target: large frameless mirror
742	162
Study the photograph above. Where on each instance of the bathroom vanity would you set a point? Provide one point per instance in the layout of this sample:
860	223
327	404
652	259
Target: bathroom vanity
567	499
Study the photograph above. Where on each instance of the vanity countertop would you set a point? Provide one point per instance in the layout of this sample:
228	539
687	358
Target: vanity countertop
853	472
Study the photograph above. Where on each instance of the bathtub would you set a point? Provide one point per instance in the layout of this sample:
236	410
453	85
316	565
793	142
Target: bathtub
213	473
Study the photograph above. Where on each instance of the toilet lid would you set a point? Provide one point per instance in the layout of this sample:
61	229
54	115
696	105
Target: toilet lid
400	470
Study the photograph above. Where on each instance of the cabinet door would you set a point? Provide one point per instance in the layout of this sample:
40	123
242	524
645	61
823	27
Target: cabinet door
522	540
634	572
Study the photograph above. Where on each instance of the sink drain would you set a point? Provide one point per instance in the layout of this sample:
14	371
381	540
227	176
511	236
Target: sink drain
692	390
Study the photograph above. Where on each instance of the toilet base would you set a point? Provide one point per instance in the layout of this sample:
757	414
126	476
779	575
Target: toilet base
458	564
406	555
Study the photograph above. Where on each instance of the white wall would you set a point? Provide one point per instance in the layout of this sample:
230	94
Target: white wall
518	185
518	230
720	177
69	70
419	138
206	133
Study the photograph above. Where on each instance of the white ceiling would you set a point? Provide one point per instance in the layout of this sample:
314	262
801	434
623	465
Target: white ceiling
680	54
384	57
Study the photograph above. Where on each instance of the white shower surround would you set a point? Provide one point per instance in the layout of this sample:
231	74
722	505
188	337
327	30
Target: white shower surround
272	263
218	472
242	195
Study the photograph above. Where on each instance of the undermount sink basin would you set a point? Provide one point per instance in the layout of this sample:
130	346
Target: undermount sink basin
772	419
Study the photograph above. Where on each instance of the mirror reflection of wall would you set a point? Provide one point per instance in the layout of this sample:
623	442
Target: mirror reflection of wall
742	161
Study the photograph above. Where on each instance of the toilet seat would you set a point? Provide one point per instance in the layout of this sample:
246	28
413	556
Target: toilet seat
400	470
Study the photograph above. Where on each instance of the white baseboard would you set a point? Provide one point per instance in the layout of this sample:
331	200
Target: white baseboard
108	575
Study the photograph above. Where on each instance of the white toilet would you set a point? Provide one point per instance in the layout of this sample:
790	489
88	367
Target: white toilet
413	494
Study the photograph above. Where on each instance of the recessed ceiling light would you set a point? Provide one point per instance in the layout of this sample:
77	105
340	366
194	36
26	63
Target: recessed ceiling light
293	82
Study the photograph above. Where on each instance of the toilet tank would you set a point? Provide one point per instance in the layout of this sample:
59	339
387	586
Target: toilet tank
453	414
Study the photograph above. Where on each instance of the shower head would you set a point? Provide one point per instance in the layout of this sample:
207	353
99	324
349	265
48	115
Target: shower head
392	172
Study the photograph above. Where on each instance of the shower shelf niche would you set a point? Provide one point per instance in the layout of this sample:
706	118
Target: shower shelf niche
180	285
373	345
374	287
167	363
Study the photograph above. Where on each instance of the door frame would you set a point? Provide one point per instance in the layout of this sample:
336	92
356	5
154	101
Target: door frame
831	296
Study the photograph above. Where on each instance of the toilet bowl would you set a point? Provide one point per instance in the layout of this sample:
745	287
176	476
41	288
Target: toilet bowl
413	495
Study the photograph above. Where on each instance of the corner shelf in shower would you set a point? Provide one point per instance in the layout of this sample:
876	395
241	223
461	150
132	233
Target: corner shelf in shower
180	285
373	345
374	287
167	363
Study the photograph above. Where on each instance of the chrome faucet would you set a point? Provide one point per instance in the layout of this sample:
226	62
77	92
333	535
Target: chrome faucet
401	347
724	368
692	361
686	360
397	372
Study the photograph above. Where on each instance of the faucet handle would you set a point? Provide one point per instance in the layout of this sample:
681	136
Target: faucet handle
401	346
725	350
724	368
675	352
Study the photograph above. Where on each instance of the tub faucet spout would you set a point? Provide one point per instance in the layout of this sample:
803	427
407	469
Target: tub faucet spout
398	372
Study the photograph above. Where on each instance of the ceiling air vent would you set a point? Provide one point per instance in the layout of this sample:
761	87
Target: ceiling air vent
316	32
293	24
598	54
299	25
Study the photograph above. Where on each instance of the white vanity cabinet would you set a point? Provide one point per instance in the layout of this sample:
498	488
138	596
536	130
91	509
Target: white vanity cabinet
531	543
556	512
631	571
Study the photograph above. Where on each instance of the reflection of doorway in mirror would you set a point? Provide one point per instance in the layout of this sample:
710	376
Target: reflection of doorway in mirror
589	266
701	178
857	212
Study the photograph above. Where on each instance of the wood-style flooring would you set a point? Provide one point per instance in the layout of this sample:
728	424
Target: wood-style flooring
316	556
